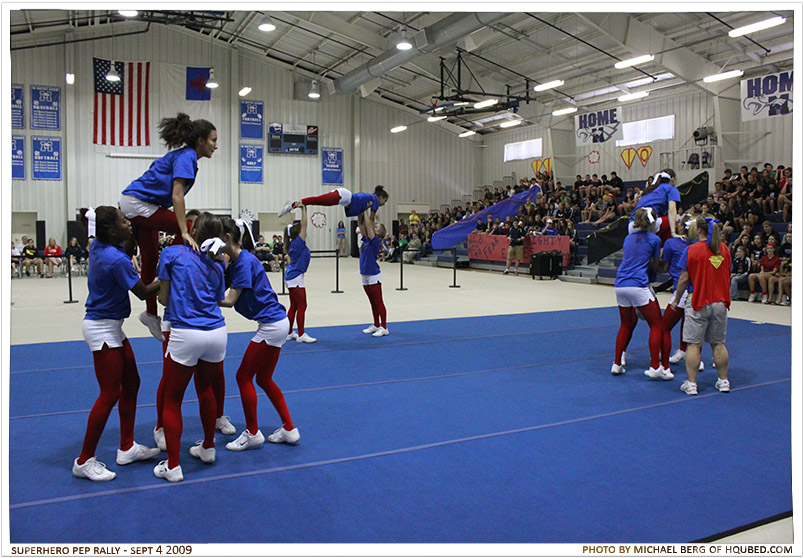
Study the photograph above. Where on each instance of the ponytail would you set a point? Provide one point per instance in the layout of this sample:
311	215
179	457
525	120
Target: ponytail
664	176
380	192
105	219
182	130
642	219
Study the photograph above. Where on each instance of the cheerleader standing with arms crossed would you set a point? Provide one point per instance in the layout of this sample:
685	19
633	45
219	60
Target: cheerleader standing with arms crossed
632	288
250	293
370	271
299	254
191	284
147	200
111	276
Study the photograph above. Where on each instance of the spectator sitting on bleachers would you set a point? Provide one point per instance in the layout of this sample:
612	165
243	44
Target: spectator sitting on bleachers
723	213
52	249
615	184
387	248
607	212
279	255
31	255
740	270
784	279
784	201
548	229
414	244
756	250
768	232
768	266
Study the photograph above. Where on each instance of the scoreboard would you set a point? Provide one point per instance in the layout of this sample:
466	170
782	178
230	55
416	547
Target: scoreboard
293	138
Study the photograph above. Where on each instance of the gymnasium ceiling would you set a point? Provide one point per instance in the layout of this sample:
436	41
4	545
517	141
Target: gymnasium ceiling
513	51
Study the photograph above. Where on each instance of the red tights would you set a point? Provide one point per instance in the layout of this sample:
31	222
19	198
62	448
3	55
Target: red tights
176	377
671	318
260	360
298	306
148	239
374	293
628	321
116	371
218	387
328	199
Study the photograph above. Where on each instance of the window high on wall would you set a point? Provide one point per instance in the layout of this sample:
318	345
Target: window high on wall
644	131
530	149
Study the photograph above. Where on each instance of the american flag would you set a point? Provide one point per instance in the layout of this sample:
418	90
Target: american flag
121	108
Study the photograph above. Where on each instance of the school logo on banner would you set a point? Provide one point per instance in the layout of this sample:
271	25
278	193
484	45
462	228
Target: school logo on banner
598	126
644	154
767	96
197	89
628	156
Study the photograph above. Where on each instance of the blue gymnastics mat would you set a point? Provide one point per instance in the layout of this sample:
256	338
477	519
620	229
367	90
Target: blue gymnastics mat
491	429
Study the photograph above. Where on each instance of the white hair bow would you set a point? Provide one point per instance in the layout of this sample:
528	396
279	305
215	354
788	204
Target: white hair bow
244	222
213	245
90	215
659	175
649	211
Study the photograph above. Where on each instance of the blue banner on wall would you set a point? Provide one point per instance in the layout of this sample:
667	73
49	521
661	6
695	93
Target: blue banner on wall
18	157
251	120
46	157
17	107
45	107
332	166
251	163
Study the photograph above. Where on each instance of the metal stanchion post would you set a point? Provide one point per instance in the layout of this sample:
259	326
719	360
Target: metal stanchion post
282	270
70	281
401	268
455	284
337	272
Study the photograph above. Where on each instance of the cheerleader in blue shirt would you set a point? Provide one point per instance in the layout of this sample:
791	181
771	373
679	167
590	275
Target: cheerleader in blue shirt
354	204
370	272
191	284
111	276
632	287
299	255
662	196
147	200
250	293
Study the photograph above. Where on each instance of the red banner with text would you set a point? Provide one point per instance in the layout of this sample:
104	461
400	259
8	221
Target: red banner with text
493	247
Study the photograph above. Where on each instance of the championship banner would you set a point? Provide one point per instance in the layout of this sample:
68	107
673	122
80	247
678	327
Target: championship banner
251	163
332	166
598	126
251	120
46	157
18	157
767	96
45	107
17	107
494	247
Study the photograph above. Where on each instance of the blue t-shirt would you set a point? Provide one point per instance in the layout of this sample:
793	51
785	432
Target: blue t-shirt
111	276
196	286
639	249
156	185
368	256
299	255
658	199
340	232
361	201
682	264
257	300
549	231
673	249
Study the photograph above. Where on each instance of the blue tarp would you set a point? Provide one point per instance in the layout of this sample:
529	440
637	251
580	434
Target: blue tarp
458	232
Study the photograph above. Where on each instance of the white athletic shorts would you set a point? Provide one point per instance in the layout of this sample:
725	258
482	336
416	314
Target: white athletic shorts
684	299
346	196
633	296
98	332
273	334
133	207
165	326
188	346
297	281
371	279
657	224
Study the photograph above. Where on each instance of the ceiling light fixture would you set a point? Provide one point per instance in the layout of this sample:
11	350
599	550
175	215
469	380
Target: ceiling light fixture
510	123
211	82
460	104
466	134
113	76
314	92
266	24
245	91
402	42
549	85
567	110
632	96
486	103
128	13
723	75
435	118
398	129
633	61
759	26
70	78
